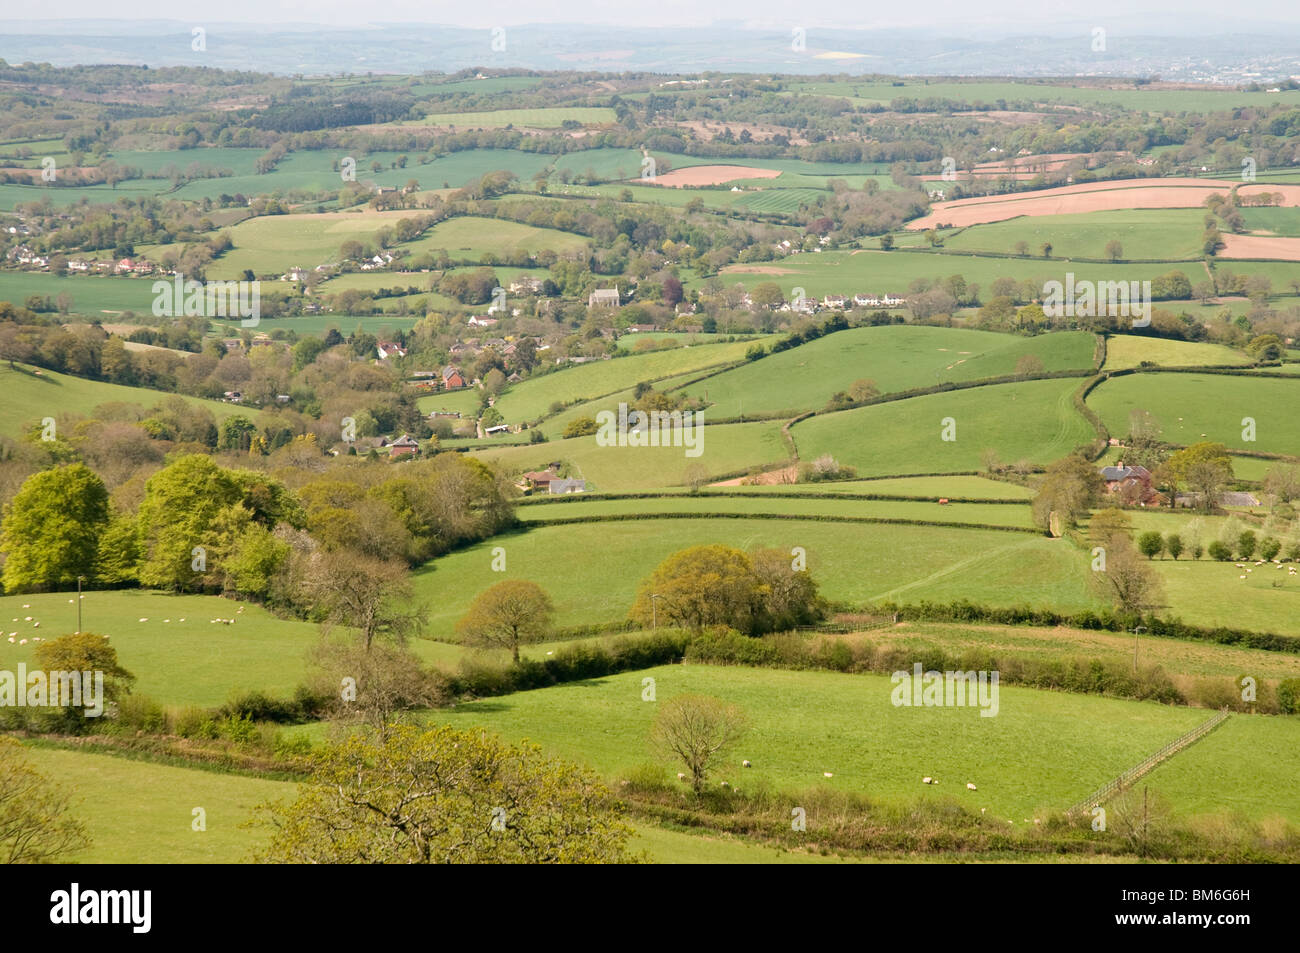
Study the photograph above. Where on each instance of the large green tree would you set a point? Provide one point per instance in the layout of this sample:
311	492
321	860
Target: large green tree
442	796
51	529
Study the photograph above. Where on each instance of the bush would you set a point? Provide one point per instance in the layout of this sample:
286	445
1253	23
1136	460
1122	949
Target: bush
258	706
1220	552
140	713
194	723
1174	545
239	729
1269	547
1246	544
1151	544
1288	696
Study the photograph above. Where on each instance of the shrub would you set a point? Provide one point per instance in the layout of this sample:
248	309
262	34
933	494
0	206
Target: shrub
140	713
1246	544
239	729
1151	544
1269	547
194	723
1174	545
1220	552
1288	696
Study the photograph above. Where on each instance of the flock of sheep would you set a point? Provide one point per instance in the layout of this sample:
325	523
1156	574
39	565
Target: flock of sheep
1290	570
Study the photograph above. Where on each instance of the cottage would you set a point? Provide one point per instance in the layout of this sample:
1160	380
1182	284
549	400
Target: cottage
388	349
562	485
403	446
540	479
835	301
451	378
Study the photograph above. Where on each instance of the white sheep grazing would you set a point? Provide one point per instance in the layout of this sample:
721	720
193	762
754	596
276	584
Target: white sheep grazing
969	786
22	641
680	776
828	774
36	625
724	784
927	780
746	764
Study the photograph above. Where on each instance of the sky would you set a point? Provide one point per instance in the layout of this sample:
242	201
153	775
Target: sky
1166	16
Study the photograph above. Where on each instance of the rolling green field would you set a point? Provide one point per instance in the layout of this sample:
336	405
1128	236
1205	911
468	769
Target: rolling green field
971	487
28	398
543	118
896	357
1195	407
470	237
721	501
1213	777
1149	233
1130	350
1034	420
1043	750
855	563
727	449
137	812
533	398
97	297
1276	221
870	270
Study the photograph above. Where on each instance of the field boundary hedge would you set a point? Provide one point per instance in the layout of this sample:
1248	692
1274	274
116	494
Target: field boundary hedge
752	495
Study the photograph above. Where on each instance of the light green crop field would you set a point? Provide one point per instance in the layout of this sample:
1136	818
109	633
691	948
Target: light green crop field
464	401
1146	233
1196	407
553	427
1130	350
29	398
727	449
532	398
1034	420
142	813
1215	776
971	487
1043	750
1275	221
541	118
471	237
872	271
855	563
989	514
896	357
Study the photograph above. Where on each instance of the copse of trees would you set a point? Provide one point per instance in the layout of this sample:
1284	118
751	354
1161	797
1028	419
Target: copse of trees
765	591
1070	488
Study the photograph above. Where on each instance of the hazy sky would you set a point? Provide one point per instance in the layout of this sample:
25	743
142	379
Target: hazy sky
1170	16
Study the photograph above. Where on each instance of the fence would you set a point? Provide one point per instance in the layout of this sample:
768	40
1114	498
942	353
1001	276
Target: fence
1132	774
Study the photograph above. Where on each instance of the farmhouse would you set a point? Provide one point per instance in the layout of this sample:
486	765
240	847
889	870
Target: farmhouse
526	285
451	378
563	485
388	349
1132	484
540	479
403	446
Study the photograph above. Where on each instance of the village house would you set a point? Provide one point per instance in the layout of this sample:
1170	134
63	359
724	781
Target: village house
563	485
451	378
403	446
866	301
1131	484
835	301
478	321
388	349
540	479
295	274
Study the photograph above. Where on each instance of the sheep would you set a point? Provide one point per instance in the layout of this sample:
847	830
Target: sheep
27	618
144	620
11	640
725	784
681	776
36	625
927	780
746	764
969	786
828	774
27	605
22	641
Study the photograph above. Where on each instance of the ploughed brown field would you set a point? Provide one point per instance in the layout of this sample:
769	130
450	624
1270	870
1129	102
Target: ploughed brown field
1260	246
1119	195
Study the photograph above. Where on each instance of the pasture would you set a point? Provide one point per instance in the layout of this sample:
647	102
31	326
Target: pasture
1152	233
896	357
1130	350
1195	407
851	562
1042	751
468	237
1033	420
28	398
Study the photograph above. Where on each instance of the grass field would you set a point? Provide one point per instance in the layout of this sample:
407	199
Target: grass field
29	398
1149	233
721	501
874	271
100	297
470	237
727	449
1212	776
542	118
1130	350
896	357
1277	221
137	812
1043	750
854	563
971	487
533	398
1195	407
1034	420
